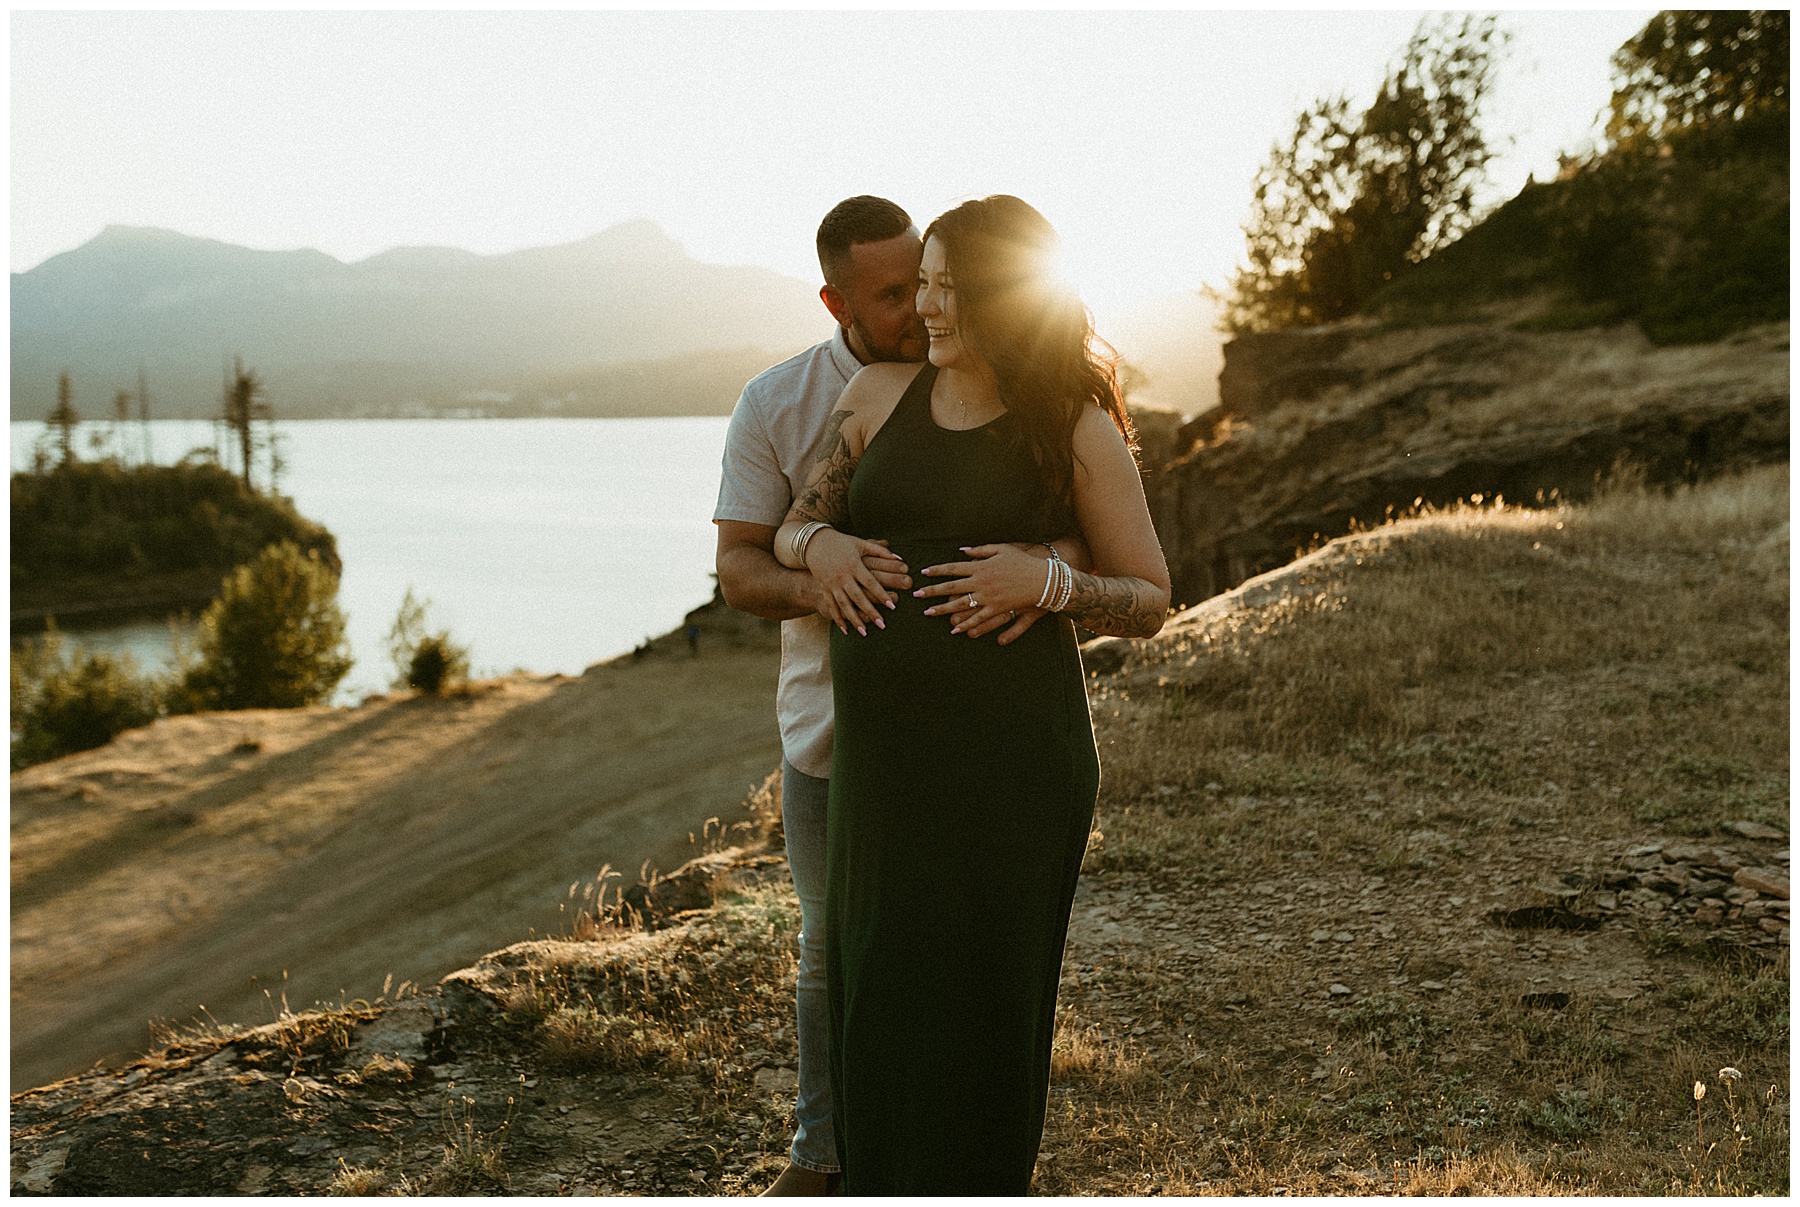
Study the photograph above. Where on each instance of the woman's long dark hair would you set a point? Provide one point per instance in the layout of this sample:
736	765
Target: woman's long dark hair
1032	329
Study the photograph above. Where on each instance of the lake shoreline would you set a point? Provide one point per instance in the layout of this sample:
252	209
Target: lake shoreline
541	546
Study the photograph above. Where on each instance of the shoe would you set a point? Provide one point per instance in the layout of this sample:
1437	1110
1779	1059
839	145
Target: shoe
797	1180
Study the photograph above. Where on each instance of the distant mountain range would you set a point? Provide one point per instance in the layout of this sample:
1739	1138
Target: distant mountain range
622	323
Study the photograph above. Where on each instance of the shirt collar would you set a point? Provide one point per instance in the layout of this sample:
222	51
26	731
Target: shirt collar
841	357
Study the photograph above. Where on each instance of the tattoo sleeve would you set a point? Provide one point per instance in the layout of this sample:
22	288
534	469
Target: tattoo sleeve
1114	607
826	496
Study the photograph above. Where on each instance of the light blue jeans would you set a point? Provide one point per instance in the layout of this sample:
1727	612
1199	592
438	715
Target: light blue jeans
803	799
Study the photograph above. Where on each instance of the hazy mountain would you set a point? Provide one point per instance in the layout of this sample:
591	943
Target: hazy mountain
1173	342
413	330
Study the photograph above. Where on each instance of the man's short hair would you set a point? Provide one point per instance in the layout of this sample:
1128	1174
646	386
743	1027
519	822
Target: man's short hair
856	220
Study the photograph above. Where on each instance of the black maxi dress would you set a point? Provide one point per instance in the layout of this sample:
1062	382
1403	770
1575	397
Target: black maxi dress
963	780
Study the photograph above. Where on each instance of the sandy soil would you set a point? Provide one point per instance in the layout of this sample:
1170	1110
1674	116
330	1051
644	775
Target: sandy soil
208	861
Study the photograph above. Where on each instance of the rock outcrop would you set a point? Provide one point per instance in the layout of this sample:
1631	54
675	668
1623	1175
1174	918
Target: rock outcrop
442	1091
1324	429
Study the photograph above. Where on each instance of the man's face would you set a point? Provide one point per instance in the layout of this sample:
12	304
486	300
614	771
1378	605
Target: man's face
876	299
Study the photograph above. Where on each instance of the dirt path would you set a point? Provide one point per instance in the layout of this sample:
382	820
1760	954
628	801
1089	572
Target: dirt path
193	862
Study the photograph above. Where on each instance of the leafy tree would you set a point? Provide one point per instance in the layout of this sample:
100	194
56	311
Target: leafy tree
1353	201
274	638
1689	69
64	702
426	662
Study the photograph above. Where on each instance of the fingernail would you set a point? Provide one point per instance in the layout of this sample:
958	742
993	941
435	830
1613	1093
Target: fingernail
965	548
890	604
861	632
919	592
879	623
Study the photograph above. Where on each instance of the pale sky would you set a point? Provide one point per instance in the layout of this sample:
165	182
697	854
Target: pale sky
1136	133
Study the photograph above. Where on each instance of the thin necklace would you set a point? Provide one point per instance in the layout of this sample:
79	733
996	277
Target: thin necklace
963	417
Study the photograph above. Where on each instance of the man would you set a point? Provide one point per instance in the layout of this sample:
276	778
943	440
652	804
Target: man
869	253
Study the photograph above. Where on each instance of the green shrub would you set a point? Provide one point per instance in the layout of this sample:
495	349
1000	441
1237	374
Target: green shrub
274	638
436	664
64	701
426	662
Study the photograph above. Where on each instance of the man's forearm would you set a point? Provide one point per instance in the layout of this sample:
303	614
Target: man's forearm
752	581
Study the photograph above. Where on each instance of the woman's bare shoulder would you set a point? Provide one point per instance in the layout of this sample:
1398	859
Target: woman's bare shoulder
877	384
1093	426
872	396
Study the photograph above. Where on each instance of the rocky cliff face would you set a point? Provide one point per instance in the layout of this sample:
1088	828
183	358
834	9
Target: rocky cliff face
1324	429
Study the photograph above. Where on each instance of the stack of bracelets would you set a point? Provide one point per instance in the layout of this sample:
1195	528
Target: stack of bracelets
803	534
1059	584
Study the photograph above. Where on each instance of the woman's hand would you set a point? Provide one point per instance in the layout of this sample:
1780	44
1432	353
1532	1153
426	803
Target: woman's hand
1000	583
849	569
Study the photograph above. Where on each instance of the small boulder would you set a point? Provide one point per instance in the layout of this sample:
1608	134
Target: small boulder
1770	882
1755	829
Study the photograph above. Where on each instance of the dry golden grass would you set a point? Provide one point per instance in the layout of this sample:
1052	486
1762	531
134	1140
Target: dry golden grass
357	1181
1443	710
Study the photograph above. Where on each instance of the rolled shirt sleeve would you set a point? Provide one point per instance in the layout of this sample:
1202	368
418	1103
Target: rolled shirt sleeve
752	486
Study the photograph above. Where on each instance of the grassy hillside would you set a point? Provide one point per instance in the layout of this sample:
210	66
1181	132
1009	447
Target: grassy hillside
98	536
321	849
1400	883
1283	974
1332	779
1693	245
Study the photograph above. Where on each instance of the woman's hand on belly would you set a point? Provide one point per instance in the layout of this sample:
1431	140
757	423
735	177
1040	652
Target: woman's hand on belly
852	572
999	583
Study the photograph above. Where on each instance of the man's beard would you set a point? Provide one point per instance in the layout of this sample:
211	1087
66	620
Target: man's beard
893	353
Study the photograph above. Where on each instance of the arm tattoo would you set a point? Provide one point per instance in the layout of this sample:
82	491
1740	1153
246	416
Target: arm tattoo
1114	607
827	493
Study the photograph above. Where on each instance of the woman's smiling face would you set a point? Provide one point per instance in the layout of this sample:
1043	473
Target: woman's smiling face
937	306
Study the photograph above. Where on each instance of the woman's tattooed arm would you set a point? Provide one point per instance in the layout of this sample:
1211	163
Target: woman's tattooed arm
1116	607
826	496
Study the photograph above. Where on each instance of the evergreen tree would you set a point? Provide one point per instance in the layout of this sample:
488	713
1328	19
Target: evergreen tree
244	405
63	419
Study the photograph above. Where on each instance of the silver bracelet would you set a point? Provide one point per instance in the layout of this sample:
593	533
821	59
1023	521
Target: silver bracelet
803	536
1052	575
1065	586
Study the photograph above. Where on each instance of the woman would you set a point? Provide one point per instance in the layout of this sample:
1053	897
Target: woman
964	771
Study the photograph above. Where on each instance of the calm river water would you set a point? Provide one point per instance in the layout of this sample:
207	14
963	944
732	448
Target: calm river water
542	544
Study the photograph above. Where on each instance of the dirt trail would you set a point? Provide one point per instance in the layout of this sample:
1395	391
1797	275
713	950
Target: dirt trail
194	861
